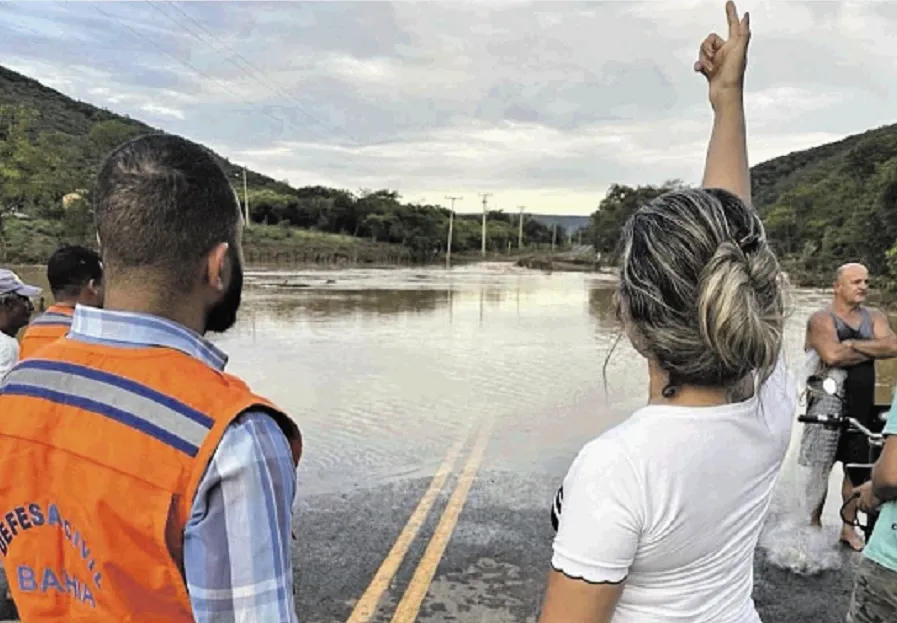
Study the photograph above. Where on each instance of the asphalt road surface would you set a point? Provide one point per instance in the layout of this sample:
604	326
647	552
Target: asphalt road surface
479	554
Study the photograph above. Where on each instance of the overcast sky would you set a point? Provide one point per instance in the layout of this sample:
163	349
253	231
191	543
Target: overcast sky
541	104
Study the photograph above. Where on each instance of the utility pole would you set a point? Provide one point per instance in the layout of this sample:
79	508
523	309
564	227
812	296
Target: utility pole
448	246
484	196
245	198
554	233
520	229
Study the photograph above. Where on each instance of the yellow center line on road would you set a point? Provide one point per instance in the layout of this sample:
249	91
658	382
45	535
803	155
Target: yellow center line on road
369	601
408	608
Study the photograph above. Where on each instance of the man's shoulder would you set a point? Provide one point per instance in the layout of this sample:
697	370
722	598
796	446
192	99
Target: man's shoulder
256	420
262	430
820	315
874	311
824	311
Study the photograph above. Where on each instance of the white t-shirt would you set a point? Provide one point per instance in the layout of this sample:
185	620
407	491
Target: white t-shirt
9	353
673	500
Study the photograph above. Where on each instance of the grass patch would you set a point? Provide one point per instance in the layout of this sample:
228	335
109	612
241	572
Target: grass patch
32	241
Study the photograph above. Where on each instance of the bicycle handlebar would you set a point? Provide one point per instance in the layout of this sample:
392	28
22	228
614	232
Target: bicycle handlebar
831	420
872	436
839	421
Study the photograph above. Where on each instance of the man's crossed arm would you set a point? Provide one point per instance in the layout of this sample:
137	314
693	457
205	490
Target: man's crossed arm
884	344
823	338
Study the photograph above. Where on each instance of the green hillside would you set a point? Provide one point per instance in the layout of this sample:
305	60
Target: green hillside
56	114
822	207
52	145
832	204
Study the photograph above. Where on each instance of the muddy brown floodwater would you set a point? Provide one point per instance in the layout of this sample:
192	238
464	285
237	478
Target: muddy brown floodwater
486	377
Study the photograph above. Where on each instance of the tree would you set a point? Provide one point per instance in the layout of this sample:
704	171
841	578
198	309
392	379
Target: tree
107	135
618	205
78	223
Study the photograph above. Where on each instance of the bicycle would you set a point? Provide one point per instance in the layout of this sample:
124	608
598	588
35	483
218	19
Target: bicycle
858	473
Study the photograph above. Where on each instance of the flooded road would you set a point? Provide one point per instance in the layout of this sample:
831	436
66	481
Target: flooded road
385	371
440	412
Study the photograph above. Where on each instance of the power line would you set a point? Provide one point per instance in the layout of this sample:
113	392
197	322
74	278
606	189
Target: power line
181	61
226	87
253	72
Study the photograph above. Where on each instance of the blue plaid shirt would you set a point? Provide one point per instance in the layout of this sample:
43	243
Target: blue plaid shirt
237	539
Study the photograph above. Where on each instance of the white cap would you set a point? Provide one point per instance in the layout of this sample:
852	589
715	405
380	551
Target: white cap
10	283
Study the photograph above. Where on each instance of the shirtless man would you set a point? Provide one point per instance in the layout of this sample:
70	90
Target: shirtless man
851	336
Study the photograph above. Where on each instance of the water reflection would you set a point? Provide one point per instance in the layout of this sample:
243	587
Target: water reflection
312	304
382	378
601	306
382	368
288	305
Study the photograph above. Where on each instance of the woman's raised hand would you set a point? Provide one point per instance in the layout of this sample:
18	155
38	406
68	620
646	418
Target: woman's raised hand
723	61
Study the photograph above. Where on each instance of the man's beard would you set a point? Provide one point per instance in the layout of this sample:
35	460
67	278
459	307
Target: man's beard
223	315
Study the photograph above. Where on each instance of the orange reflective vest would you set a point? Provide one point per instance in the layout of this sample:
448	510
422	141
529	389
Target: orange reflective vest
101	453
45	328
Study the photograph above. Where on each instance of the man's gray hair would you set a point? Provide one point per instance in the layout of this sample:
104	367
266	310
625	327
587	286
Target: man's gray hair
840	270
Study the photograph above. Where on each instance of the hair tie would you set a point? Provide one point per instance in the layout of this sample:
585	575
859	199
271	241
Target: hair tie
749	243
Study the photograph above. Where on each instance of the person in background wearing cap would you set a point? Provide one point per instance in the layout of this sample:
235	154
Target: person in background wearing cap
15	311
76	278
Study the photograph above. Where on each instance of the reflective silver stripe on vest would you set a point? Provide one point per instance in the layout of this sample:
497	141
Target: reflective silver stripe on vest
125	401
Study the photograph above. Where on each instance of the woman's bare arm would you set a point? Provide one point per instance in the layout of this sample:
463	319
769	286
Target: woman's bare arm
576	601
727	159
723	63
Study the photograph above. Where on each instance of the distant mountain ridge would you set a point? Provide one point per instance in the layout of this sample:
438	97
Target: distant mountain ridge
570	223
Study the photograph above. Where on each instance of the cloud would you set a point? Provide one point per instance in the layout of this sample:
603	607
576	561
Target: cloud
542	104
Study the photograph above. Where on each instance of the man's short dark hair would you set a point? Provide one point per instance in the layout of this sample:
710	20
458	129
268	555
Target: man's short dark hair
70	268
162	202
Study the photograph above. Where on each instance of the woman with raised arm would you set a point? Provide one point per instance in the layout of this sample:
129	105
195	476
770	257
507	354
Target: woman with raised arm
657	518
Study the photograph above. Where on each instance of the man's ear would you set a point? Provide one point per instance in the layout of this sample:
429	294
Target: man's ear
216	268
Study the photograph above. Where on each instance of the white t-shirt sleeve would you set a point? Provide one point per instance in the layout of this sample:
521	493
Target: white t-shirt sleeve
601	515
9	354
779	396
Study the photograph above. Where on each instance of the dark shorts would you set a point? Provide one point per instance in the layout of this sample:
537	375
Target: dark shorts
853	448
874	598
860	405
